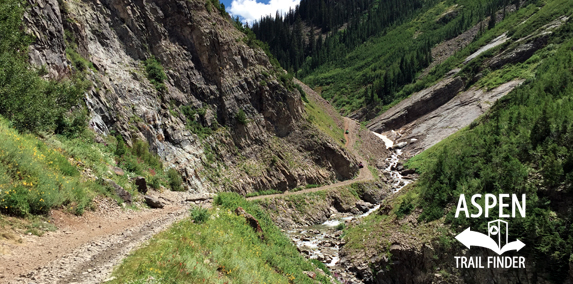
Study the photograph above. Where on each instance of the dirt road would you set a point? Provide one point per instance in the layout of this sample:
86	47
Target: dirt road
86	248
364	174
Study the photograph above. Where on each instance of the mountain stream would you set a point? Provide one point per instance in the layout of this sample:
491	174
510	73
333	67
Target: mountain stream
322	242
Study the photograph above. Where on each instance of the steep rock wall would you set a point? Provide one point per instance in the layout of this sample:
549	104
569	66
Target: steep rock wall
209	67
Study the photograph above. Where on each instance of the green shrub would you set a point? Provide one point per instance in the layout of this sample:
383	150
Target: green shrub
138	159
199	214
28	101
241	117
175	180
121	148
72	125
302	93
141	150
340	226
286	79
155	74
35	178
196	126
155	182
131	163
405	207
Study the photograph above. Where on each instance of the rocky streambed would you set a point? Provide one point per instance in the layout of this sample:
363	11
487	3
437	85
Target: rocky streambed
323	241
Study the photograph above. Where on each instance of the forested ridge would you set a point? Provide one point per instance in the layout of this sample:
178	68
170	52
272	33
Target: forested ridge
363	53
297	49
523	146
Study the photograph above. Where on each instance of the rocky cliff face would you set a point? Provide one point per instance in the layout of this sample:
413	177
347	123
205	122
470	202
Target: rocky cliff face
209	68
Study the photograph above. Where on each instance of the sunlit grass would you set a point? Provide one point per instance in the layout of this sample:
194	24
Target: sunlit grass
223	249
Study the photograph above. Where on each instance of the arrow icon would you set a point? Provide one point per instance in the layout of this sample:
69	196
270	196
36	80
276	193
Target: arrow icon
470	238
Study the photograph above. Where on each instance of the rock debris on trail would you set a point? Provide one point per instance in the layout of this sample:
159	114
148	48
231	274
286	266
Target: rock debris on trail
87	248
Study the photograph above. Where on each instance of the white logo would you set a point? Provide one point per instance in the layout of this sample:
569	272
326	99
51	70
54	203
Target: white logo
496	240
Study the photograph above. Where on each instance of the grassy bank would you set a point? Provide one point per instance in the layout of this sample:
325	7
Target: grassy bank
324	122
37	175
48	158
221	249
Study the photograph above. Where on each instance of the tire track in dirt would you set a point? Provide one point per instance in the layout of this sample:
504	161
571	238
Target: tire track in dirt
86	248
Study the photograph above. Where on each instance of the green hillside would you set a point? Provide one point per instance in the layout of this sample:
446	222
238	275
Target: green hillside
218	246
521	146
374	59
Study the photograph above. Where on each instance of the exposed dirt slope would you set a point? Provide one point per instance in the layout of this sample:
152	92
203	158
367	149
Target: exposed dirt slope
324	104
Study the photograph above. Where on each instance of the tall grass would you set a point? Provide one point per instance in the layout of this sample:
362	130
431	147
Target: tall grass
223	249
35	178
320	118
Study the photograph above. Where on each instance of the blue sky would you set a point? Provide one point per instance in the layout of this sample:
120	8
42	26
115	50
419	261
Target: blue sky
252	10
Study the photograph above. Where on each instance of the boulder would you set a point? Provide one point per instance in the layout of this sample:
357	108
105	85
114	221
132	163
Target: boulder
408	172
373	196
355	211
198	197
252	221
400	145
310	274
381	164
122	193
341	206
141	184
363	206
153	202
118	171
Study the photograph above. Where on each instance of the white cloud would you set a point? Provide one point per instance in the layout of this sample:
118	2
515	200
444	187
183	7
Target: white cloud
251	10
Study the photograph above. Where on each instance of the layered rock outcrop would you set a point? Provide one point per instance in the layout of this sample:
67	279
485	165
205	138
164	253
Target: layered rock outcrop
209	67
417	105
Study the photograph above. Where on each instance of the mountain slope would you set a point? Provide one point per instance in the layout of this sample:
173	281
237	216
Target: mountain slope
371	60
218	112
518	146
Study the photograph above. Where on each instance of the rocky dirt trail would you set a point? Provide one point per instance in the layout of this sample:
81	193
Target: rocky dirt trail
86	248
363	175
